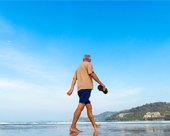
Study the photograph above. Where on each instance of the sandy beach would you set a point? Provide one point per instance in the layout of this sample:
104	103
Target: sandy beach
158	128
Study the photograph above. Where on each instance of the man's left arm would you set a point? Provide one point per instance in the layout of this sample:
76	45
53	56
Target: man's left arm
94	76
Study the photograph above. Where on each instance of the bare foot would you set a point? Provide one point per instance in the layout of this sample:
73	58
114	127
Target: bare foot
78	130
96	133
96	127
74	130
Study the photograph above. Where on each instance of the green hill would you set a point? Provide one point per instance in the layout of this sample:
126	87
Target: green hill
152	111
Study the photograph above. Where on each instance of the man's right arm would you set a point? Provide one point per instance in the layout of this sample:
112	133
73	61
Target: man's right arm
72	87
72	84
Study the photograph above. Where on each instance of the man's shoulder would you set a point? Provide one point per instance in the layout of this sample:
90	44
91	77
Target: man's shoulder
84	65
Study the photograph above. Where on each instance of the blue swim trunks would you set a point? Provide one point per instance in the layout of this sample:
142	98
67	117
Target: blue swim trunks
84	95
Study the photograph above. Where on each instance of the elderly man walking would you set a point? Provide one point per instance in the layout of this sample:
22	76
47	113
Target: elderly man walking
83	76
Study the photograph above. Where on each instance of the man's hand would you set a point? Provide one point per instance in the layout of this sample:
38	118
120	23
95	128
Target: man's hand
70	92
104	87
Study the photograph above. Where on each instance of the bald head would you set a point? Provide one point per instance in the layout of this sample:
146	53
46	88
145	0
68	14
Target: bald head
87	58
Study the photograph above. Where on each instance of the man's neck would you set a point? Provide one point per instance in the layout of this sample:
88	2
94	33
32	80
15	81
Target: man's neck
85	61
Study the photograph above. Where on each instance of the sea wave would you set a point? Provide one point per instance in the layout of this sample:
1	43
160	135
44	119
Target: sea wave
68	123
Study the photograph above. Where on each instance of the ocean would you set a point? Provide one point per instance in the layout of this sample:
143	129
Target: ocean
137	128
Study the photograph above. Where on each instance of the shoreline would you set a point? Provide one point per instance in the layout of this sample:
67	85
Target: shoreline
81	123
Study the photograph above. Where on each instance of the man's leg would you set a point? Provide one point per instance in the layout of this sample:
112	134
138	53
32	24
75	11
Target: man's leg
77	114
90	116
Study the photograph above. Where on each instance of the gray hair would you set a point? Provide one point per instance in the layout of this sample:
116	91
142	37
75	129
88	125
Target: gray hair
86	56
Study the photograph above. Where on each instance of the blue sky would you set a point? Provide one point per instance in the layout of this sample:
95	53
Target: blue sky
42	43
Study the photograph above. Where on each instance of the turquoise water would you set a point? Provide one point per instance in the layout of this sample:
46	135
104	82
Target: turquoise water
107	129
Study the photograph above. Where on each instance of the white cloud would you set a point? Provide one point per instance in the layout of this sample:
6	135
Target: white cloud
29	64
8	84
22	95
16	56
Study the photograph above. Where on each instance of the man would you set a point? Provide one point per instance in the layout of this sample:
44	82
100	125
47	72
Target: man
84	75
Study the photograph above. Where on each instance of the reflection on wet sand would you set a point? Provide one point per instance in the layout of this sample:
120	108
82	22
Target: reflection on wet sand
140	129
96	133
107	129
74	134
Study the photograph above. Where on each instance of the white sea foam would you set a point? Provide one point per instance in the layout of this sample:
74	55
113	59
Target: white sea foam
68	123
